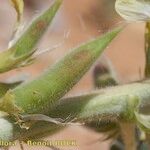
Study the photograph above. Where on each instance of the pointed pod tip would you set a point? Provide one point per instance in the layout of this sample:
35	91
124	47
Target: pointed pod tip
110	35
116	30
58	2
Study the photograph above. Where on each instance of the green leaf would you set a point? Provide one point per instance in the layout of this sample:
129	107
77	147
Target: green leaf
23	49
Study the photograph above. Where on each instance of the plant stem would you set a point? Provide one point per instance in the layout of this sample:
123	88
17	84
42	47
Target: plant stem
147	49
128	135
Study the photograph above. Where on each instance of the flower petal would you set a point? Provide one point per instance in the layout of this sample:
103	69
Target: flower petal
133	10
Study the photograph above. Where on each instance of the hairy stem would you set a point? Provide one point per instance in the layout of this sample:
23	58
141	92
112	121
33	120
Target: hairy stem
109	104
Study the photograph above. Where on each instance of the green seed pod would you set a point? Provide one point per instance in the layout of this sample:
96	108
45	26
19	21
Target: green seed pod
23	48
39	95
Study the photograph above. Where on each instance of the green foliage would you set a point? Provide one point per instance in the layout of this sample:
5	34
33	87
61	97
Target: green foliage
40	95
38	105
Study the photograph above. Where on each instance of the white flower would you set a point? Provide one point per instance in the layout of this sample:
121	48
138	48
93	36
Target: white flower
133	10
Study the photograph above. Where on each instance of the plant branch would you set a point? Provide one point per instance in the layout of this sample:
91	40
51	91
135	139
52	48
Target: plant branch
115	103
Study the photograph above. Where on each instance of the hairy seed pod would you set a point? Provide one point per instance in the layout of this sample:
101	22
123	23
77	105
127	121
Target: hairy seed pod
39	95
23	49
